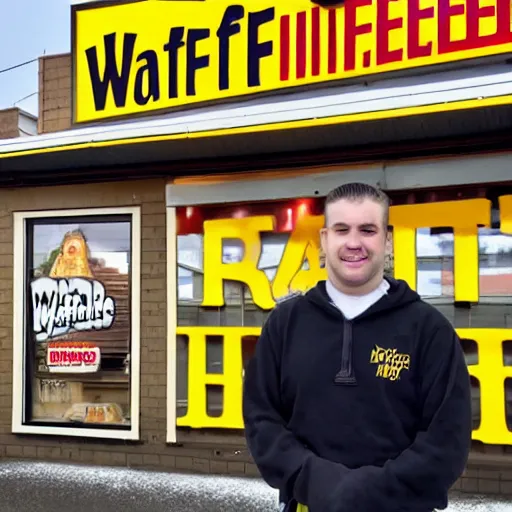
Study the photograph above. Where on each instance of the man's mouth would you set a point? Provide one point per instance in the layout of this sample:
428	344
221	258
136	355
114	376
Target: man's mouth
353	259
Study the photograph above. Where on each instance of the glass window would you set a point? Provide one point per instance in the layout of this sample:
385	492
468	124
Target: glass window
283	255
78	325
239	309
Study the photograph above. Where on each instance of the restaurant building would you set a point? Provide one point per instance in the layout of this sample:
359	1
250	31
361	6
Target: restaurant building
174	193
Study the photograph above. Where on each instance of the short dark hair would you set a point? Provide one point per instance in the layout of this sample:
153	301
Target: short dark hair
356	191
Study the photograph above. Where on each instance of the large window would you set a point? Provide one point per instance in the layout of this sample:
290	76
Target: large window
236	259
230	271
76	332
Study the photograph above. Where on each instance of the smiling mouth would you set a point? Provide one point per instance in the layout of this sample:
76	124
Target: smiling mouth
354	260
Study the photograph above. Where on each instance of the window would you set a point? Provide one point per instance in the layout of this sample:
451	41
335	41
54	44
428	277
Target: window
214	342
76	322
239	254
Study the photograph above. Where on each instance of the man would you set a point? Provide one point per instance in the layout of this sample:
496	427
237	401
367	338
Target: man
358	396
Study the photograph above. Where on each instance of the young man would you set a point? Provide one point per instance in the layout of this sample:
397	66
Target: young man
358	396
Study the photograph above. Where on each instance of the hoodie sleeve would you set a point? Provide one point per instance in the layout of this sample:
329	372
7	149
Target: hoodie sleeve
421	476
283	461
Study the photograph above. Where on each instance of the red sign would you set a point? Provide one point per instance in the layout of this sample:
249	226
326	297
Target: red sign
73	357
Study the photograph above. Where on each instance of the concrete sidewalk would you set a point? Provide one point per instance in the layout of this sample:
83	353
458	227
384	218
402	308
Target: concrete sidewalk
52	487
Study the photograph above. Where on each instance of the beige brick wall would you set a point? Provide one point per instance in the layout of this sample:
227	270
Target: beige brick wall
54	93
9	123
486	479
202	452
197	453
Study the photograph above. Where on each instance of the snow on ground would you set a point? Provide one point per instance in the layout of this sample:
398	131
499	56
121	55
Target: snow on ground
55	487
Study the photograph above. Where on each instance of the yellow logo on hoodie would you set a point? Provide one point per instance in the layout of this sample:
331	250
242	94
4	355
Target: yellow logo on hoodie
390	362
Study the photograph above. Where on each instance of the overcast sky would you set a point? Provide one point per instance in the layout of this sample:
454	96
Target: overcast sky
28	30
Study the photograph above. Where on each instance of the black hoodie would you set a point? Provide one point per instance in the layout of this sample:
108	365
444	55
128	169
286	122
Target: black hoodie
369	415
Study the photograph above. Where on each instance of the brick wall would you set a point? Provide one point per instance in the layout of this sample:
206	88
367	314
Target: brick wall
54	93
200	452
197	452
486	479
9	123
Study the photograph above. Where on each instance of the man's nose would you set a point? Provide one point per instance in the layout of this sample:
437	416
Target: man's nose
353	241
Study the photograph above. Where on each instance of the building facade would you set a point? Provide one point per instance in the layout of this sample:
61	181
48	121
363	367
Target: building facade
174	193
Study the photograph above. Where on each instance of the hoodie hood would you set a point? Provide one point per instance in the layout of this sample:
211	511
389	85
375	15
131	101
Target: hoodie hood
400	294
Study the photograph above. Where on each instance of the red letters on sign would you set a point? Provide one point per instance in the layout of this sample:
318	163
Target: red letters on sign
446	12
474	15
384	27
333	54
415	15
352	30
72	357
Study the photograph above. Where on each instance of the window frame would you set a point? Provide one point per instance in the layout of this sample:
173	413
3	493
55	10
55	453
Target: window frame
19	395
172	323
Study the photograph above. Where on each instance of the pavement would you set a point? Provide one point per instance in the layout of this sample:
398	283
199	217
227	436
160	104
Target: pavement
56	487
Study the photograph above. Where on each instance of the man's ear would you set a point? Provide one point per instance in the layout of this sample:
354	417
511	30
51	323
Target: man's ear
321	252
389	242
323	235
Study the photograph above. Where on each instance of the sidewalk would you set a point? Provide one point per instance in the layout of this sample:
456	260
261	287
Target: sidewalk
53	487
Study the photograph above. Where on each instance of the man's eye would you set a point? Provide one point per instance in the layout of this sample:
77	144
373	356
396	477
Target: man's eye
368	231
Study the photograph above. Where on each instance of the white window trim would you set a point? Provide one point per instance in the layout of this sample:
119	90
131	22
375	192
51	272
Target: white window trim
18	394
172	321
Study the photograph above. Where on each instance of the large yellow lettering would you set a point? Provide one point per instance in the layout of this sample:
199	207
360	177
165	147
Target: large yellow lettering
464	217
304	243
246	271
231	378
491	373
506	214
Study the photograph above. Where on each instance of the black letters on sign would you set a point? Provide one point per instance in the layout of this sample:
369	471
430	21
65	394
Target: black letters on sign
172	46
227	28
111	76
151	70
146	62
194	62
256	51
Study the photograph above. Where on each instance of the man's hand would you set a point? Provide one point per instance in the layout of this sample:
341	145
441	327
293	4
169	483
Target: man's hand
327	486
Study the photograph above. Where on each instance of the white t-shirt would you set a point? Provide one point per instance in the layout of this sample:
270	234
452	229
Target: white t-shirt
353	305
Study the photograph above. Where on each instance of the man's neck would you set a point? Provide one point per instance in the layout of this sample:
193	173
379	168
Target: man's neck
358	291
354	305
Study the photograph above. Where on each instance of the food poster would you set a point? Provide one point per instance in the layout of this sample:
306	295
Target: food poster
78	348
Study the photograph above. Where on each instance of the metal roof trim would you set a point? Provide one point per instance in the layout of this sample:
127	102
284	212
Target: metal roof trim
474	84
392	176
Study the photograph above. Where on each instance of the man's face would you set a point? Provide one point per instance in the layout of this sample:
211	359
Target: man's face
354	243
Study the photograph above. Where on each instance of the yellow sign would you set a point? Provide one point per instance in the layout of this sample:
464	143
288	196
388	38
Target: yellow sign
304	243
490	371
139	57
463	216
